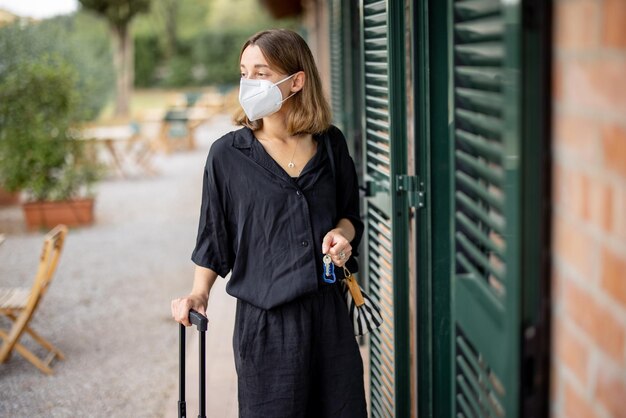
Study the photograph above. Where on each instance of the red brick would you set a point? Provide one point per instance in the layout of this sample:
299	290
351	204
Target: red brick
608	75
570	186
596	321
619	220
605	212
570	17
614	148
594	84
577	135
614	275
555	384
611	392
575	193
558	283
558	184
574	246
587	189
557	80
614	16
571	351
598	208
575	405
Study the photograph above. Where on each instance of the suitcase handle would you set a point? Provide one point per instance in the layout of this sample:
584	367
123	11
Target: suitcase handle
201	322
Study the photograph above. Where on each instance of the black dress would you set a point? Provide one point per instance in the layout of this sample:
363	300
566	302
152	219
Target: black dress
295	351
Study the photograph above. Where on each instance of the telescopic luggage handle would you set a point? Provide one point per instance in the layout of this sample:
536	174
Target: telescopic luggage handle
201	322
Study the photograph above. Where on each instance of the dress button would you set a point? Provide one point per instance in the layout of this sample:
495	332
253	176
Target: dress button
305	243
298	192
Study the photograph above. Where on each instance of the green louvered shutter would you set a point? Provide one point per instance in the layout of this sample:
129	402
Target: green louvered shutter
486	205
337	63
386	241
344	71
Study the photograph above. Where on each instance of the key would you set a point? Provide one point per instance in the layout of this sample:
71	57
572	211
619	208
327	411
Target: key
327	260
329	269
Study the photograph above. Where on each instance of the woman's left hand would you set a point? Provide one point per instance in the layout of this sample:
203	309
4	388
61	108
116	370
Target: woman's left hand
337	246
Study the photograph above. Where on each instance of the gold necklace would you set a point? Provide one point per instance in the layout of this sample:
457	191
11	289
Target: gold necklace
291	163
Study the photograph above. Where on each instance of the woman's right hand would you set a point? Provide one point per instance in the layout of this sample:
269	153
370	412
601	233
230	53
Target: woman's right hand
182	306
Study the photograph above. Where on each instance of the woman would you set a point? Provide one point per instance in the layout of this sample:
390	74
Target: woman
271	210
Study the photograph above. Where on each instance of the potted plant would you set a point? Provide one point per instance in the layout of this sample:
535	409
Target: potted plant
8	198
40	154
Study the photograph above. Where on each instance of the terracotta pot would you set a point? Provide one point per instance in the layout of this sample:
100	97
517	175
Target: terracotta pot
8	198
49	214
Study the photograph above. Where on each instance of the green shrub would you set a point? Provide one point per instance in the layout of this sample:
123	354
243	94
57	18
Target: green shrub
38	154
148	57
179	67
79	40
210	57
217	52
179	72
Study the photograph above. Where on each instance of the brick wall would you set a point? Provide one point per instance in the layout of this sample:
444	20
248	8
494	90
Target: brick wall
589	221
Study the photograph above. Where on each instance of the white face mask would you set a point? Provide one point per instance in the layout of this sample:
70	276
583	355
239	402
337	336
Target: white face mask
261	98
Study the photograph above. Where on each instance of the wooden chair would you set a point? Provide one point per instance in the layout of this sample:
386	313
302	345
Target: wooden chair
20	304
140	149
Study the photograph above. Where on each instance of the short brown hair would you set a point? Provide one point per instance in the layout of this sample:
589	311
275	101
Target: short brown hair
286	51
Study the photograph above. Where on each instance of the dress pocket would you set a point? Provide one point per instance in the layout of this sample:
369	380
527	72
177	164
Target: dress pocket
250	323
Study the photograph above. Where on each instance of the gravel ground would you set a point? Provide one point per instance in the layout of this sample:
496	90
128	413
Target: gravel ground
107	309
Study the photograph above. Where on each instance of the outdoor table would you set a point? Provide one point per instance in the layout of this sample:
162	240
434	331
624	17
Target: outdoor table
111	137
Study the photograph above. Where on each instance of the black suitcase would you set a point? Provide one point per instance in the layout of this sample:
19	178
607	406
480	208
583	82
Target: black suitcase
201	322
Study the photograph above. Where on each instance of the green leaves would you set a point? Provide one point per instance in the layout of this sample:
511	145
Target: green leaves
119	13
38	153
80	40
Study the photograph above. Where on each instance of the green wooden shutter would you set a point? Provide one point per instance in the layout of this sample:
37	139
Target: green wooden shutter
384	147
486	206
337	63
345	72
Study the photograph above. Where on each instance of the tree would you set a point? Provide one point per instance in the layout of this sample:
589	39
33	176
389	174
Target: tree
169	14
172	21
119	14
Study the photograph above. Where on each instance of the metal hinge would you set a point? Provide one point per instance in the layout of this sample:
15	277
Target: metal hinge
413	187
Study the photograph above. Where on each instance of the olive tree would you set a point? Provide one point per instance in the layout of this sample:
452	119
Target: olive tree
119	14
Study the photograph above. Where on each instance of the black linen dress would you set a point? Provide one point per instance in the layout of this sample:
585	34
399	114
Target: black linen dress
295	351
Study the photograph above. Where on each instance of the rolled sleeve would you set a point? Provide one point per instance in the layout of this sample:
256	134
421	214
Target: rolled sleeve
348	202
212	243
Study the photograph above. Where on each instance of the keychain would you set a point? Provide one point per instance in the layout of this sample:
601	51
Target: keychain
329	270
